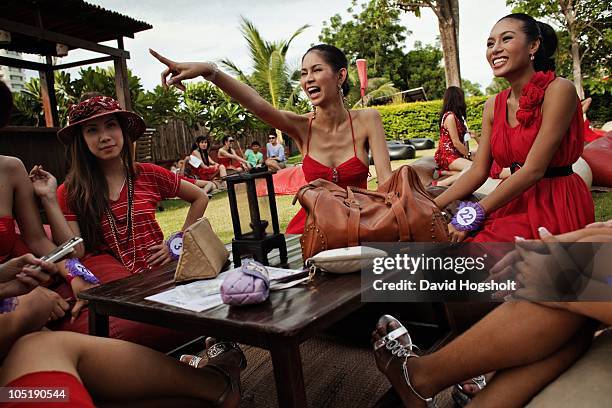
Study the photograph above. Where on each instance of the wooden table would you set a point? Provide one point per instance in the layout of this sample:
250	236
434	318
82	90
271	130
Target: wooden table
290	317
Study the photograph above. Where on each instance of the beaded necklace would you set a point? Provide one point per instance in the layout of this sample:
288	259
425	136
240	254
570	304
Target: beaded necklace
129	228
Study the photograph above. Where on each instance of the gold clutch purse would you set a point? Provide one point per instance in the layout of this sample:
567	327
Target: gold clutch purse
203	256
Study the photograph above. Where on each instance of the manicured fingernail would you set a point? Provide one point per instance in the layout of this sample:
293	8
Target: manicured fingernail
519	239
21	275
544	232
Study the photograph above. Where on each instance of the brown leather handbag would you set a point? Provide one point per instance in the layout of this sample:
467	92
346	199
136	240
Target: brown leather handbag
399	210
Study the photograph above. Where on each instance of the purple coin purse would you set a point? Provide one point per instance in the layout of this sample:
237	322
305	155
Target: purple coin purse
246	286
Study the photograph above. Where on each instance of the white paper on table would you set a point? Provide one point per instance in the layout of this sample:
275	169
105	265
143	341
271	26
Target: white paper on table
205	294
195	161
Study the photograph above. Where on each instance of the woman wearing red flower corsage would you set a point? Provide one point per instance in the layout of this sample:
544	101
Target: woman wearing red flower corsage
535	128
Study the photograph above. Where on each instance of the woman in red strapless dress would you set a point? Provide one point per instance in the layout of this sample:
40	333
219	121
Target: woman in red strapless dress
341	138
535	128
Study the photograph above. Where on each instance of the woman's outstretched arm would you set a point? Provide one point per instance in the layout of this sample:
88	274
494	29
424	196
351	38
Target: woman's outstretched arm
288	122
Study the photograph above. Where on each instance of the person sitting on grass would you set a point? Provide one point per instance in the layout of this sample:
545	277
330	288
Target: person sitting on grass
275	152
208	169
231	157
253	156
453	153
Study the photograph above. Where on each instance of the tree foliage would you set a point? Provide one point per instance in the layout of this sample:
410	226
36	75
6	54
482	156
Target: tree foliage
470	88
374	34
424	68
585	24
447	12
497	85
271	77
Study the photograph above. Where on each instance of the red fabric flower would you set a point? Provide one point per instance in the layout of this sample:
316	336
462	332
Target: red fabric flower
532	96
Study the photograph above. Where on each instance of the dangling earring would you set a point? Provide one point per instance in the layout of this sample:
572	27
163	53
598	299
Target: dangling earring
314	112
531	57
341	91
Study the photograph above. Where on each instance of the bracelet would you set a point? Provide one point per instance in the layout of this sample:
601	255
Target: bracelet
76	268
213	75
8	304
469	216
175	245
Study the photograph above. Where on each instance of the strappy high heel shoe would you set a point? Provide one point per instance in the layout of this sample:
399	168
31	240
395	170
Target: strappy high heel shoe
404	351
212	352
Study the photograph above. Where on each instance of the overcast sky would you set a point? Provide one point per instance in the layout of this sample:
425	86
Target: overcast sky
208	30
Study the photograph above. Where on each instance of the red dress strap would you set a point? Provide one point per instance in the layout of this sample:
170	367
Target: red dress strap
308	137
352	132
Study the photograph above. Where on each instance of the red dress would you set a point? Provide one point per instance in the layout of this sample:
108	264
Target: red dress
447	152
352	172
562	203
75	396
11	244
151	185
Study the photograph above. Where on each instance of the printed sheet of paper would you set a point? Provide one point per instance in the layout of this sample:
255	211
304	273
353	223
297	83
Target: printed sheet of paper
205	294
195	161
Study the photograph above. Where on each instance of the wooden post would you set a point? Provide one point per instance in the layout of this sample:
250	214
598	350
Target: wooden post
121	84
121	79
47	93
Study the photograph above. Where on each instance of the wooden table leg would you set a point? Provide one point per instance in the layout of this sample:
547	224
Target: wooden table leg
288	374
98	324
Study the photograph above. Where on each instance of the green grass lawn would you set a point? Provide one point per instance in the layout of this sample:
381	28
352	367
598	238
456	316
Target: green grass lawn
173	216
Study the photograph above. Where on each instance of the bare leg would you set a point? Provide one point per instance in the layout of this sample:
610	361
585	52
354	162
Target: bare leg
531	332
457	165
114	369
515	387
222	170
206	186
273	164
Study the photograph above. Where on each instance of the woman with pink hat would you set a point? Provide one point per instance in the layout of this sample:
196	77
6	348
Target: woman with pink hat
110	201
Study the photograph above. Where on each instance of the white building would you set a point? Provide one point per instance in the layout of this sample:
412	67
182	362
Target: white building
13	77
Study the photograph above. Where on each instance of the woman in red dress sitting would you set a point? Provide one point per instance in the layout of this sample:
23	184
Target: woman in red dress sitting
535	128
209	169
340	138
453	154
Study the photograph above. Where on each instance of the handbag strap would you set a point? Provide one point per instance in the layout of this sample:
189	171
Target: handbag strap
353	219
354	214
402	221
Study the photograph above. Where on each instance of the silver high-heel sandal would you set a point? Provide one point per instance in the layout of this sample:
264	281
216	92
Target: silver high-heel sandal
405	351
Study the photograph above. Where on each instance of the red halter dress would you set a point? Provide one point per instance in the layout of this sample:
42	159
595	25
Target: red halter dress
352	172
11	244
560	201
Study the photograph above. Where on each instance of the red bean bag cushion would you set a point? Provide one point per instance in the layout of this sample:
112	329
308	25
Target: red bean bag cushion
598	154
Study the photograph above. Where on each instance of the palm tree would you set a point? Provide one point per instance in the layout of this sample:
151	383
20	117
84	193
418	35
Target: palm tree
378	88
271	76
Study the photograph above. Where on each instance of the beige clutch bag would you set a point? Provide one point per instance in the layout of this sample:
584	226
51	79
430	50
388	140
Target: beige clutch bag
203	256
345	260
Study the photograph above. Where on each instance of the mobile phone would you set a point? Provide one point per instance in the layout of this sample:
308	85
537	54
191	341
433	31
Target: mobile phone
62	250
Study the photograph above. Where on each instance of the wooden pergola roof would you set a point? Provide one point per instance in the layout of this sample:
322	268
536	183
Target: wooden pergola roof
36	26
39	26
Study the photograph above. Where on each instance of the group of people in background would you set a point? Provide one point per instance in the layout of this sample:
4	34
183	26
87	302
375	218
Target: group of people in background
206	173
534	128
